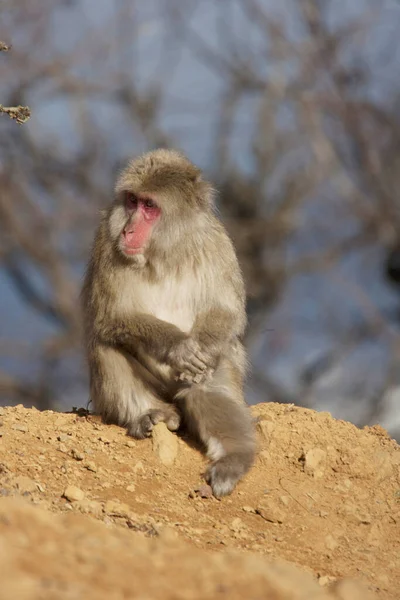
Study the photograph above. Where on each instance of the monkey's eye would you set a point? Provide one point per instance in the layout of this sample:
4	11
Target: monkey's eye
130	200
150	204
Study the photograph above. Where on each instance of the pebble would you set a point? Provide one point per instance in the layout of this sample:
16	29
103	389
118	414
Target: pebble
91	507
314	462
330	542
130	444
18	427
237	525
203	491
165	444
139	467
270	512
249	509
90	466
73	493
131	487
326	580
115	508
77	455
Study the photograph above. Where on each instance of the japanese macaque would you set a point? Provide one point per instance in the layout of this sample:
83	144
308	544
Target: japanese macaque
164	308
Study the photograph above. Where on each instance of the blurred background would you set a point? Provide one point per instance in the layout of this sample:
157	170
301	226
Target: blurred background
293	110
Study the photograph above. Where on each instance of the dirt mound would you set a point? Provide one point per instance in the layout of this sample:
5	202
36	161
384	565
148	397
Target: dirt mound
322	494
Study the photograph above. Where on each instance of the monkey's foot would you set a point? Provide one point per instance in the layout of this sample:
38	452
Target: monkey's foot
224	474
143	426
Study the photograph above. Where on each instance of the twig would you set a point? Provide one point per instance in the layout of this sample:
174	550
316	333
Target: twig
20	114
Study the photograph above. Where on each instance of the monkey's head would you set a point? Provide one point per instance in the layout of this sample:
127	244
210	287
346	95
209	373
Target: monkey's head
160	197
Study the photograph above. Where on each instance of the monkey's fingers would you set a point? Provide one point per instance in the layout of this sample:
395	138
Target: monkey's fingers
205	357
199	378
196	364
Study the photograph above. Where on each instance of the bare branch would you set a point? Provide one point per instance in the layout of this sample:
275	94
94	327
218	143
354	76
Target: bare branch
20	114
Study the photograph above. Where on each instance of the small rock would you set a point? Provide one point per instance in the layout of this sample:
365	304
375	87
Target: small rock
77	455
90	507
131	487
237	524
104	439
114	508
25	485
203	491
249	509
63	437
270	512
165	444
314	462
90	466
326	580
130	444
19	427
139	467
73	493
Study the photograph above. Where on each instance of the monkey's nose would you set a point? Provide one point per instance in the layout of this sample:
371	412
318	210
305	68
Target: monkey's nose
129	230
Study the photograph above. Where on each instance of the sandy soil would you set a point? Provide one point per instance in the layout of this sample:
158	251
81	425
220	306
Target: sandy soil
86	512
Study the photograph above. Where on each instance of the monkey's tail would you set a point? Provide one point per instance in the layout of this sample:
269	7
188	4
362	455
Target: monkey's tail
224	427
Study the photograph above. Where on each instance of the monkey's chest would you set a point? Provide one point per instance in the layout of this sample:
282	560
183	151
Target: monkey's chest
174	305
174	302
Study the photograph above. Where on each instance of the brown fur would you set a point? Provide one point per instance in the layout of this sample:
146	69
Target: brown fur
163	328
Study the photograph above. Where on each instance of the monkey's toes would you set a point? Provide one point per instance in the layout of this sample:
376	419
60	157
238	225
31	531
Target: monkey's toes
143	426
173	422
224	474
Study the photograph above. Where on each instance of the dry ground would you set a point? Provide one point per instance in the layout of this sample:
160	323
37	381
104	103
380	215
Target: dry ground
86	512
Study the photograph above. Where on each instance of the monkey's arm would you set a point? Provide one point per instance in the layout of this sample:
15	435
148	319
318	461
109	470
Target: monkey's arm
164	341
215	328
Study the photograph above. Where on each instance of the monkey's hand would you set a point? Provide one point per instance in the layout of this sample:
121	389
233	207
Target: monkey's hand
189	361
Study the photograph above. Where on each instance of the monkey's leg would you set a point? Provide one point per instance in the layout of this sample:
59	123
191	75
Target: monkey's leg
215	413
124	392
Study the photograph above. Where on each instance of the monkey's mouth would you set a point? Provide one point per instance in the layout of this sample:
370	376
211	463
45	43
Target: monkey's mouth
132	251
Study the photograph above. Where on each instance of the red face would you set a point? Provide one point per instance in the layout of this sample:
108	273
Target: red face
143	214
